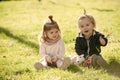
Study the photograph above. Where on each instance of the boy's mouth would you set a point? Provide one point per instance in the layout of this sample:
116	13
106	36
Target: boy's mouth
86	31
54	36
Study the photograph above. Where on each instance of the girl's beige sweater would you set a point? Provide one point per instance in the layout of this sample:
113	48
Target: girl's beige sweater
56	49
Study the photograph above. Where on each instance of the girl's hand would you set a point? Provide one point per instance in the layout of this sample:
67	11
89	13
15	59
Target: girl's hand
102	41
48	59
54	59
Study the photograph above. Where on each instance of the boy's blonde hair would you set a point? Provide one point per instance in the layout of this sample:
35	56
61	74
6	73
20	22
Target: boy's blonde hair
89	17
48	25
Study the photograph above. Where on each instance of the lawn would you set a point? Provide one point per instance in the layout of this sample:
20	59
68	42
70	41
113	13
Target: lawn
21	22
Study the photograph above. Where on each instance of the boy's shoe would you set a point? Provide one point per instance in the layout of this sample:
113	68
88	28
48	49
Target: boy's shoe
38	66
102	62
66	63
94	60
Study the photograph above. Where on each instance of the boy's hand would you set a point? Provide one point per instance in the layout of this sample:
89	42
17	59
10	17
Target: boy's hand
54	59
87	62
102	41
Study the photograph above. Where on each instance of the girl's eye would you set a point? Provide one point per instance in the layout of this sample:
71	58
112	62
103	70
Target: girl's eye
87	24
56	32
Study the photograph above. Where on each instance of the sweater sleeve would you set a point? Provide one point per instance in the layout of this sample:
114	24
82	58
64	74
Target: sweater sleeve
42	51
61	50
78	47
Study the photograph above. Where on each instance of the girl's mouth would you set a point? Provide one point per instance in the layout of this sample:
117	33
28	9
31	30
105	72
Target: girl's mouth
54	36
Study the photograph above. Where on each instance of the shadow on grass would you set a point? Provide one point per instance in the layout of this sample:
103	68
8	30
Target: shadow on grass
7	75
19	72
11	35
75	69
114	68
103	10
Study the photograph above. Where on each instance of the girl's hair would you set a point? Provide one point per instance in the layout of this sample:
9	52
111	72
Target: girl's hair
91	18
48	25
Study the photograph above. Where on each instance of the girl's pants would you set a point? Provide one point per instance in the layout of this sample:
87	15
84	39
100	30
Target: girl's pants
57	64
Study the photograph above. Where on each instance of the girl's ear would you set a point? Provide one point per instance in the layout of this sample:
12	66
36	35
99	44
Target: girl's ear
45	35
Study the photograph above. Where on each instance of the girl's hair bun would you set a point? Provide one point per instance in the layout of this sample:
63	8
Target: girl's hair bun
51	18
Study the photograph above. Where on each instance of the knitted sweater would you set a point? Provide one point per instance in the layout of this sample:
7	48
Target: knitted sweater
57	49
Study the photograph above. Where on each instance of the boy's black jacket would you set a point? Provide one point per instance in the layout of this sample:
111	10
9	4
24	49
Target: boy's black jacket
94	43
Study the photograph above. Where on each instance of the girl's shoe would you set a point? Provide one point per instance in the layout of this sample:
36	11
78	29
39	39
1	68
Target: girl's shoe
38	66
66	63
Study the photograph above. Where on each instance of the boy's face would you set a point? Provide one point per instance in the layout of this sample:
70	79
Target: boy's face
86	27
53	34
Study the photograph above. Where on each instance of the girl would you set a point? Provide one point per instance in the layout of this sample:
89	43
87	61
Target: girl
89	42
52	47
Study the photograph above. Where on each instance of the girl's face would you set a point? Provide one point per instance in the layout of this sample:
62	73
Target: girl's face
53	34
86	27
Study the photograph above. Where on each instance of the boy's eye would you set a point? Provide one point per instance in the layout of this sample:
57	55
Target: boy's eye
51	32
82	26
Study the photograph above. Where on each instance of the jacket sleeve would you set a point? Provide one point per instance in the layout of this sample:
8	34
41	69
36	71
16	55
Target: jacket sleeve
61	52
78	47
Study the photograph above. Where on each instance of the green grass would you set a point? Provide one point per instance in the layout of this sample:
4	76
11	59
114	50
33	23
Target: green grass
20	25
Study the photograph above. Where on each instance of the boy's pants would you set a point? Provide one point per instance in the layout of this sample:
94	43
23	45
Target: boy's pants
98	60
